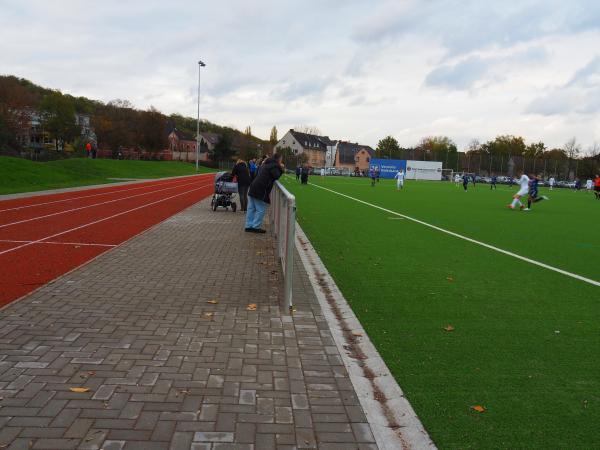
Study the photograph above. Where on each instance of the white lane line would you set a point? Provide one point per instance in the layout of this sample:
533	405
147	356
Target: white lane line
474	241
100	220
116	191
92	205
83	244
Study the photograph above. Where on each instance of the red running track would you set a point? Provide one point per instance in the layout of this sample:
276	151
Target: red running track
43	237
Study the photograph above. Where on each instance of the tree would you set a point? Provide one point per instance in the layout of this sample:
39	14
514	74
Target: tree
153	124
435	148
572	150
287	155
387	146
248	131
273	137
223	149
59	117
308	129
16	104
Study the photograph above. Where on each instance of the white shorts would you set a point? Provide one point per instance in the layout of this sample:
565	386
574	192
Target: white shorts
523	192
400	182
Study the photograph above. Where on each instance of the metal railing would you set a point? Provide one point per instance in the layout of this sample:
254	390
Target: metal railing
283	227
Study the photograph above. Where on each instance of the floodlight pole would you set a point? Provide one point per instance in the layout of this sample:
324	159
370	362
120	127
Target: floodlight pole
200	64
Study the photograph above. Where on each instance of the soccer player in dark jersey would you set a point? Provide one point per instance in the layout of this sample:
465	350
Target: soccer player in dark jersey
493	182
533	192
465	181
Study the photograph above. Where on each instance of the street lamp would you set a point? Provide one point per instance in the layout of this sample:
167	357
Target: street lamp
200	64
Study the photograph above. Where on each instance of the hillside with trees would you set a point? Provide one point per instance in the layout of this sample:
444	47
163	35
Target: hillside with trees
115	124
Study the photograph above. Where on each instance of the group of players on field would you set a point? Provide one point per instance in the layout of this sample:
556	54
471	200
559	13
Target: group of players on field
528	186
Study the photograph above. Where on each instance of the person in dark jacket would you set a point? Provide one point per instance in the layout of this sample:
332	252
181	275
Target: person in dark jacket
260	189
241	172
298	172
304	174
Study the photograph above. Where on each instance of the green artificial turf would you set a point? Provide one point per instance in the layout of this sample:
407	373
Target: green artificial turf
526	340
22	175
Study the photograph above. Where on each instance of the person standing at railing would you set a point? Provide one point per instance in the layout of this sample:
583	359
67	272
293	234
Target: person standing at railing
242	174
260	191
253	168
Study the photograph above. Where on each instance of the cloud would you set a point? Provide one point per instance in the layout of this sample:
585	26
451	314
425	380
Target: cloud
458	76
465	74
580	95
358	70
462	26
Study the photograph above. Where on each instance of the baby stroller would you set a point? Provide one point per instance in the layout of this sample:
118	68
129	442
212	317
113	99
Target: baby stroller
225	190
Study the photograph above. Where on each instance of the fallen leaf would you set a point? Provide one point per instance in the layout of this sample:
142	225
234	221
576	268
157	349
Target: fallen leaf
251	307
209	314
449	278
79	389
478	408
91	373
212	302
448	328
356	333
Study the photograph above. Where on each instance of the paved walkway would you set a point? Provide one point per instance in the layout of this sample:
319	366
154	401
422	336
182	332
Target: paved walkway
165	367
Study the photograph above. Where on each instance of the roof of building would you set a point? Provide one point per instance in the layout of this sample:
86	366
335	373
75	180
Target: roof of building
212	138
312	140
181	135
348	151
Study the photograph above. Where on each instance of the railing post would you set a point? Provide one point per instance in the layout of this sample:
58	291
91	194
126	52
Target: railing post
283	221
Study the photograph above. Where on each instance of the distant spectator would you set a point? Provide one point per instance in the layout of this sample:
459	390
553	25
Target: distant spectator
298	172
94	151
88	150
304	174
373	176
242	174
260	190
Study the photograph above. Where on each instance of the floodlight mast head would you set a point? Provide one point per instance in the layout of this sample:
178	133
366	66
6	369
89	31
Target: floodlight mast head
201	64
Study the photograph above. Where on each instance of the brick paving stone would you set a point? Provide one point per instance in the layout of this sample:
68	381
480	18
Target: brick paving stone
168	370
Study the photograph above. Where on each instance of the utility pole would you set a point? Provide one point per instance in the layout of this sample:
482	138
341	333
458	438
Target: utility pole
200	64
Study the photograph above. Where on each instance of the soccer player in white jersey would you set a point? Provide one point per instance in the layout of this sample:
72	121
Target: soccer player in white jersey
551	182
589	185
523	191
457	179
399	180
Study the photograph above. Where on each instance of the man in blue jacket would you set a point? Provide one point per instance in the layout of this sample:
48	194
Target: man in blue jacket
260	190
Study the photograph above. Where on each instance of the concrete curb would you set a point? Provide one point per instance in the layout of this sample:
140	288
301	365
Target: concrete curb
391	417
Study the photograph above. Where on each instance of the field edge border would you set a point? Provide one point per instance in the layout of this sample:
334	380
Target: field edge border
410	433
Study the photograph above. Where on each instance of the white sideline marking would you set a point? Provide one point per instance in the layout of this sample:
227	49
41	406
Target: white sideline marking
116	191
84	244
474	241
92	205
99	220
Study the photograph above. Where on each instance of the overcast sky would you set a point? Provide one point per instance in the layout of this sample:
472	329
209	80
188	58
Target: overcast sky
357	70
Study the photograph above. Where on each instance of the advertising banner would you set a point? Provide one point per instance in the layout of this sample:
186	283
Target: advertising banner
388	167
424	170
